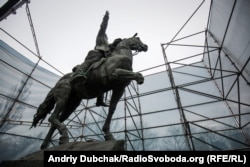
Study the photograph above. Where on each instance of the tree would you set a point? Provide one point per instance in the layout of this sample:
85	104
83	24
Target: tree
6	104
14	146
177	141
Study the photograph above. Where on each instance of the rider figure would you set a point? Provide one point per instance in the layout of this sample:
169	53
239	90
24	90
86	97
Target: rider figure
102	49
94	55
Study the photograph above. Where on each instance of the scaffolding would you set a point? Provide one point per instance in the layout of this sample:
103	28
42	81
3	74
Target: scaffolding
200	103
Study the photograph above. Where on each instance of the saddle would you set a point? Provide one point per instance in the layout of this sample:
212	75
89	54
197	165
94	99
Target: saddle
83	77
97	64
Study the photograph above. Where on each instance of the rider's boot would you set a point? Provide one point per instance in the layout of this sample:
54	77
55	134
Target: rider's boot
100	102
78	76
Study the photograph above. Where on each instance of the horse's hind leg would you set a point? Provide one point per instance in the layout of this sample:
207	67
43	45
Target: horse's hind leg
62	118
55	124
55	121
71	106
62	96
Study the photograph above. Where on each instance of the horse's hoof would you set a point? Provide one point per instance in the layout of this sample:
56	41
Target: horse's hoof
109	137
140	79
44	146
140	82
64	138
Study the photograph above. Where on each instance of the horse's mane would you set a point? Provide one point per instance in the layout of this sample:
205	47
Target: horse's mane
113	45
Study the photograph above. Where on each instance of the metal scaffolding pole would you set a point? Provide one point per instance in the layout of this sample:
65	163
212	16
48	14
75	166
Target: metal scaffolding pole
185	123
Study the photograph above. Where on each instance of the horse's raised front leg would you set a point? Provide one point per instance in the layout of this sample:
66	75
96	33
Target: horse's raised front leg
126	75
116	95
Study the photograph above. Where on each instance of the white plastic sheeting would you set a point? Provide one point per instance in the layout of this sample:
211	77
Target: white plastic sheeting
229	31
21	91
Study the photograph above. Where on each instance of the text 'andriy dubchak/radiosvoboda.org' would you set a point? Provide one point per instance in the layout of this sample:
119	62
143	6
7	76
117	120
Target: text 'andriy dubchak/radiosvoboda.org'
123	158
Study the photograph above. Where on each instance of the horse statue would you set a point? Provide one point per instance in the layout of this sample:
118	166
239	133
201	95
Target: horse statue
115	73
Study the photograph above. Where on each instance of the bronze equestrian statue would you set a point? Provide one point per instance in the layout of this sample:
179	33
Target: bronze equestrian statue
113	72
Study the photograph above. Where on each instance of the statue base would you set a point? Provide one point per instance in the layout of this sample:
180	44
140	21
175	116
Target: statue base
37	157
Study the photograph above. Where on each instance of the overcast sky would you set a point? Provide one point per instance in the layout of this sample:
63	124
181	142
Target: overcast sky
66	29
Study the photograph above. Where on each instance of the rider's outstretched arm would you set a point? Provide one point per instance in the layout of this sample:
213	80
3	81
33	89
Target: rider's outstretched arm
104	24
101	39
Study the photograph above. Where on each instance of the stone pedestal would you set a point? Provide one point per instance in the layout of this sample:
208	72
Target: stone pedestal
36	158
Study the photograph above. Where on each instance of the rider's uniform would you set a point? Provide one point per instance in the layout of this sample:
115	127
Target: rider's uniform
101	50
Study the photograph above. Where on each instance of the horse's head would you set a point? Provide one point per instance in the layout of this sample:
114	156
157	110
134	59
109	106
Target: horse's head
134	43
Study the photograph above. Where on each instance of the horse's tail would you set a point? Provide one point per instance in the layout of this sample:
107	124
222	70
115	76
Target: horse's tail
44	108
